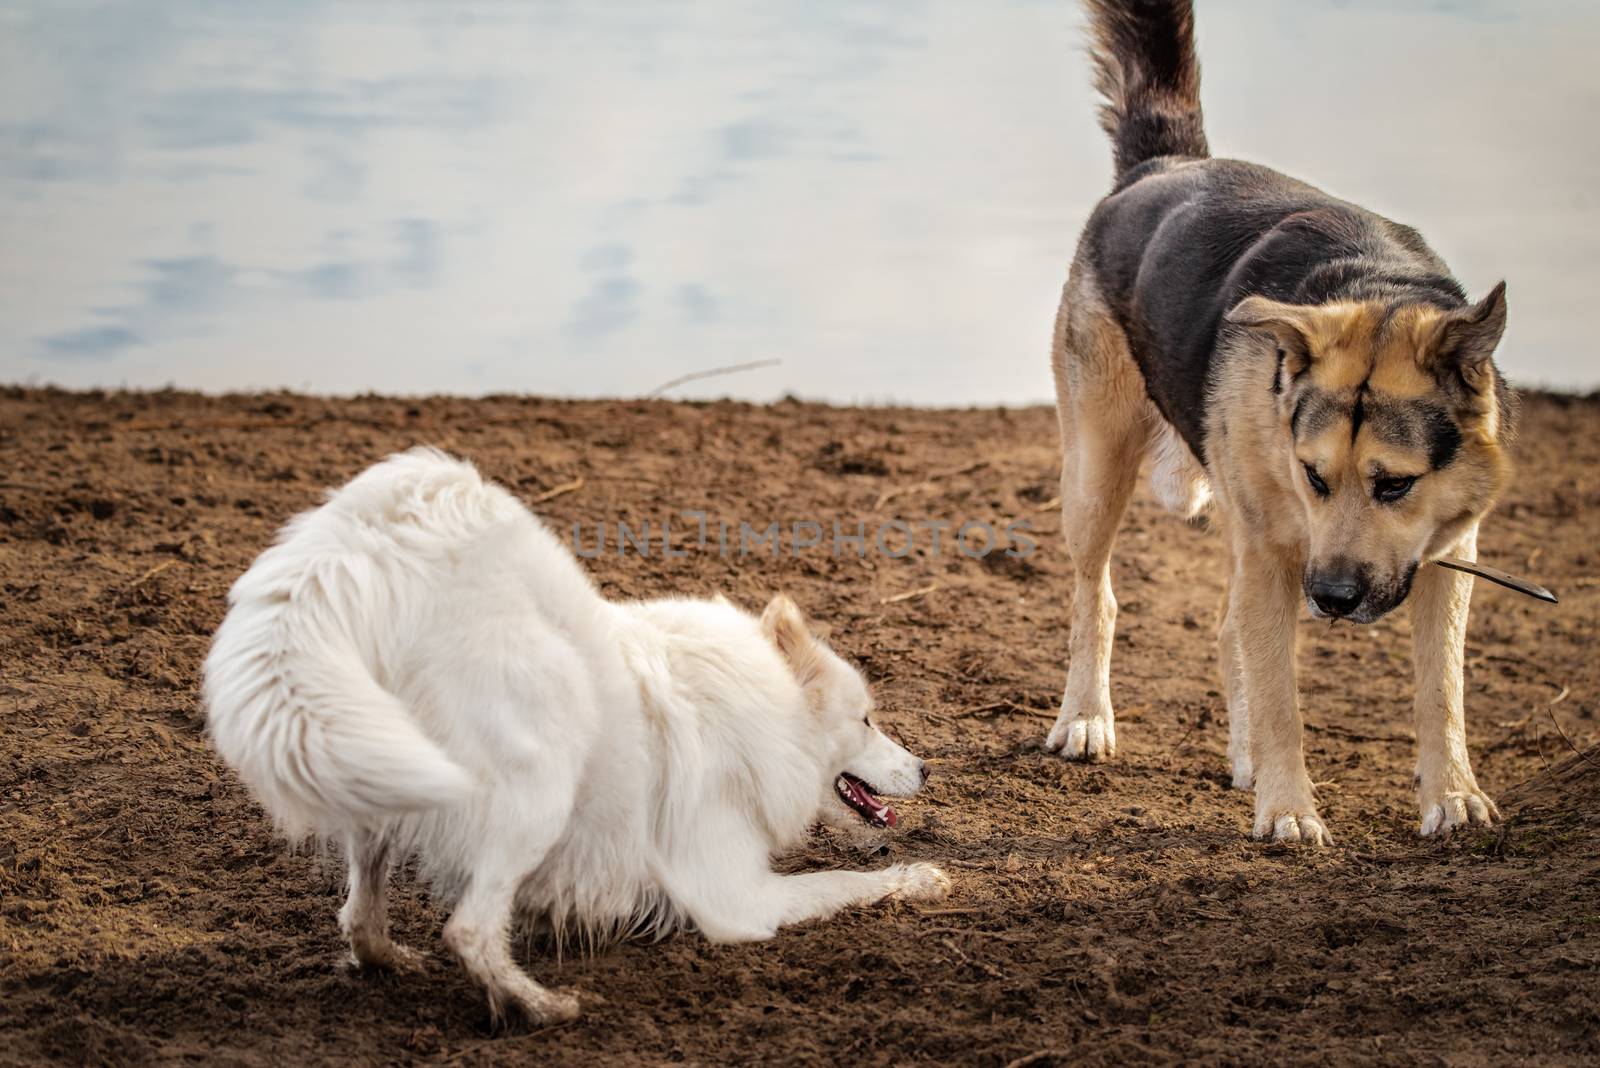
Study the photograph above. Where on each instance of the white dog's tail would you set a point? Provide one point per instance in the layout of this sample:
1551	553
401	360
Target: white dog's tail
1177	478
294	709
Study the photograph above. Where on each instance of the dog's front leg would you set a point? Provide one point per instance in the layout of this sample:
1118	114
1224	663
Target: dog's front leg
818	895
1231	663
1447	791
754	912
1263	600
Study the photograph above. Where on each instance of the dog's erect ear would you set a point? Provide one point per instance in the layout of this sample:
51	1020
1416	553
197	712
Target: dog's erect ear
1288	323
785	626
1461	349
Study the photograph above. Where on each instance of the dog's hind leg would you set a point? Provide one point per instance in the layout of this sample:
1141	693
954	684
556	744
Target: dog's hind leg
526	817
479	933
1447	791
365	915
1105	428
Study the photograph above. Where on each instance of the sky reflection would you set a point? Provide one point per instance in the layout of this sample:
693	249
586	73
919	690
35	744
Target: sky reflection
591	199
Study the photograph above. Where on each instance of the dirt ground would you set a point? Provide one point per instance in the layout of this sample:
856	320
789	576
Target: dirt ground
1101	915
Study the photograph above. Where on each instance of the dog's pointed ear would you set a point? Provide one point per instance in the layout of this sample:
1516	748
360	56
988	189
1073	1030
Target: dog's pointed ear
785	627
1461	351
1288	323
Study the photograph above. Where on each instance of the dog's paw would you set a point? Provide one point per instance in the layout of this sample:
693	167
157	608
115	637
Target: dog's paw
548	1007
387	956
921	882
1092	738
1303	827
1458	808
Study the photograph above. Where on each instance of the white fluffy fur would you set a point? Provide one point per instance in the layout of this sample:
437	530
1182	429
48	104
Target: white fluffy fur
1176	478
419	667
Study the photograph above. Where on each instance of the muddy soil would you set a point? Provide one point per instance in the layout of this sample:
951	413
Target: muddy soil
1110	914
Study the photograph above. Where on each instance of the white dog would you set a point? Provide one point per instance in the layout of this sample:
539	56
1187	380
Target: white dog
420	668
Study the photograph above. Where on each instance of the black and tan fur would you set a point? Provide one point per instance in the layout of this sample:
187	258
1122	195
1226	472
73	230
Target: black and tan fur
1312	365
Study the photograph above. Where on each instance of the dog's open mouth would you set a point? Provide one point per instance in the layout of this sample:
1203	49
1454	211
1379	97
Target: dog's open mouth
858	795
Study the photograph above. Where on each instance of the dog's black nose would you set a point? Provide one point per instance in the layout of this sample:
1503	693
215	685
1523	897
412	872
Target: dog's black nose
922	769
1336	598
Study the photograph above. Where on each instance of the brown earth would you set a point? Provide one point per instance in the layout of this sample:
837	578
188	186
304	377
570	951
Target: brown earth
1100	915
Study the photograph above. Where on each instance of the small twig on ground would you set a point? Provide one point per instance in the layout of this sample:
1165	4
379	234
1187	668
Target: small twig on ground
1001	706
710	373
1053	504
964	469
1041	1055
152	573
1037	713
1499	848
950	912
557	491
909	594
987	969
1387	858
927	483
1564	736
467	1051
999	936
1184	740
1355	736
1202	720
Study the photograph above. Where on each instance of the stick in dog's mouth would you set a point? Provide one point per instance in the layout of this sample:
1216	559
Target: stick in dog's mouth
857	794
1494	574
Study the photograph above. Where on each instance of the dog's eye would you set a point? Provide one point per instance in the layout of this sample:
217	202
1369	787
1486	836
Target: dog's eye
1392	489
1316	480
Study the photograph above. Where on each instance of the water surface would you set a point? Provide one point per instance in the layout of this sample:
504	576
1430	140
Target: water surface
594	198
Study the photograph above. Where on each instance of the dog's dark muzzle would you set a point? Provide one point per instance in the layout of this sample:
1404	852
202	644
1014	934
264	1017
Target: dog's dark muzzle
1346	591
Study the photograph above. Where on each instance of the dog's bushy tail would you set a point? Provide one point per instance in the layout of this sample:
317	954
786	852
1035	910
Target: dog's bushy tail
293	709
1147	70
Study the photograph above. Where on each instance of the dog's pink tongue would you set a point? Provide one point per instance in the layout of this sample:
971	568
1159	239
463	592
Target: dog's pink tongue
882	812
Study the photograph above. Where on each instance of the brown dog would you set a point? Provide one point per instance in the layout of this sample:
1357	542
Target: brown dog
1311	364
